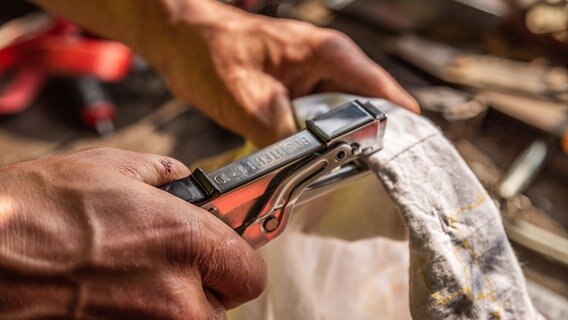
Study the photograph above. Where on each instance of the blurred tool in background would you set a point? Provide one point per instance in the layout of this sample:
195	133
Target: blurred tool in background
97	109
36	47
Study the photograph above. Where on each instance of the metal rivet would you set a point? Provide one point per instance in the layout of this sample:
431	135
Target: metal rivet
271	224
340	155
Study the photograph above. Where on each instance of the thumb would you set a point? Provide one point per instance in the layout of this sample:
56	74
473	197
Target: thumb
151	169
272	114
356	73
280	119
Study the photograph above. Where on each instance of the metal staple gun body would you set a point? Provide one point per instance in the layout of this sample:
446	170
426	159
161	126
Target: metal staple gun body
255	195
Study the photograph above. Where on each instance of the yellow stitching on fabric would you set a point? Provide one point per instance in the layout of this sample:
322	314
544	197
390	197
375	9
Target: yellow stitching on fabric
476	203
490	295
466	291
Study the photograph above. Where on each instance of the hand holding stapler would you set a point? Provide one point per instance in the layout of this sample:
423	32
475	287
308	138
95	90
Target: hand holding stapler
255	195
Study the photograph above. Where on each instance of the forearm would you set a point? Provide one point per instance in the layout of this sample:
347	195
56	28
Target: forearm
147	26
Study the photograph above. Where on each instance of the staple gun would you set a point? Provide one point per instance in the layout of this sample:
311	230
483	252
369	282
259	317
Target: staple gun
255	195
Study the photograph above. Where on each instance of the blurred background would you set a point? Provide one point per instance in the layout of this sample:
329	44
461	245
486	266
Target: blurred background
491	73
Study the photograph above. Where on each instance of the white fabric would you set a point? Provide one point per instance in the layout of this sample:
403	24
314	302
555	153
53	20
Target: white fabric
460	264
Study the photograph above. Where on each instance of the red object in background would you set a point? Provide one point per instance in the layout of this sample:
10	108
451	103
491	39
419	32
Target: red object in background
21	91
72	55
97	109
61	50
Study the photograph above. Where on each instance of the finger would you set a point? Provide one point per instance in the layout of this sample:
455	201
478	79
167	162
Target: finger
235	272
227	264
267	106
280	117
195	301
355	73
157	170
151	169
147	294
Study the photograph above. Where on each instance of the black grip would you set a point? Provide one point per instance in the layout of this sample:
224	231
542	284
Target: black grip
196	188
185	189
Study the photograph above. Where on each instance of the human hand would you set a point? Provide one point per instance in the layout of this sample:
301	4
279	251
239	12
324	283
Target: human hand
87	235
242	69
238	68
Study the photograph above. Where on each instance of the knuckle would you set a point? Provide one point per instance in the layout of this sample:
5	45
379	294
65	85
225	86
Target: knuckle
170	167
100	151
332	44
335	39
278	90
128	168
99	156
185	244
